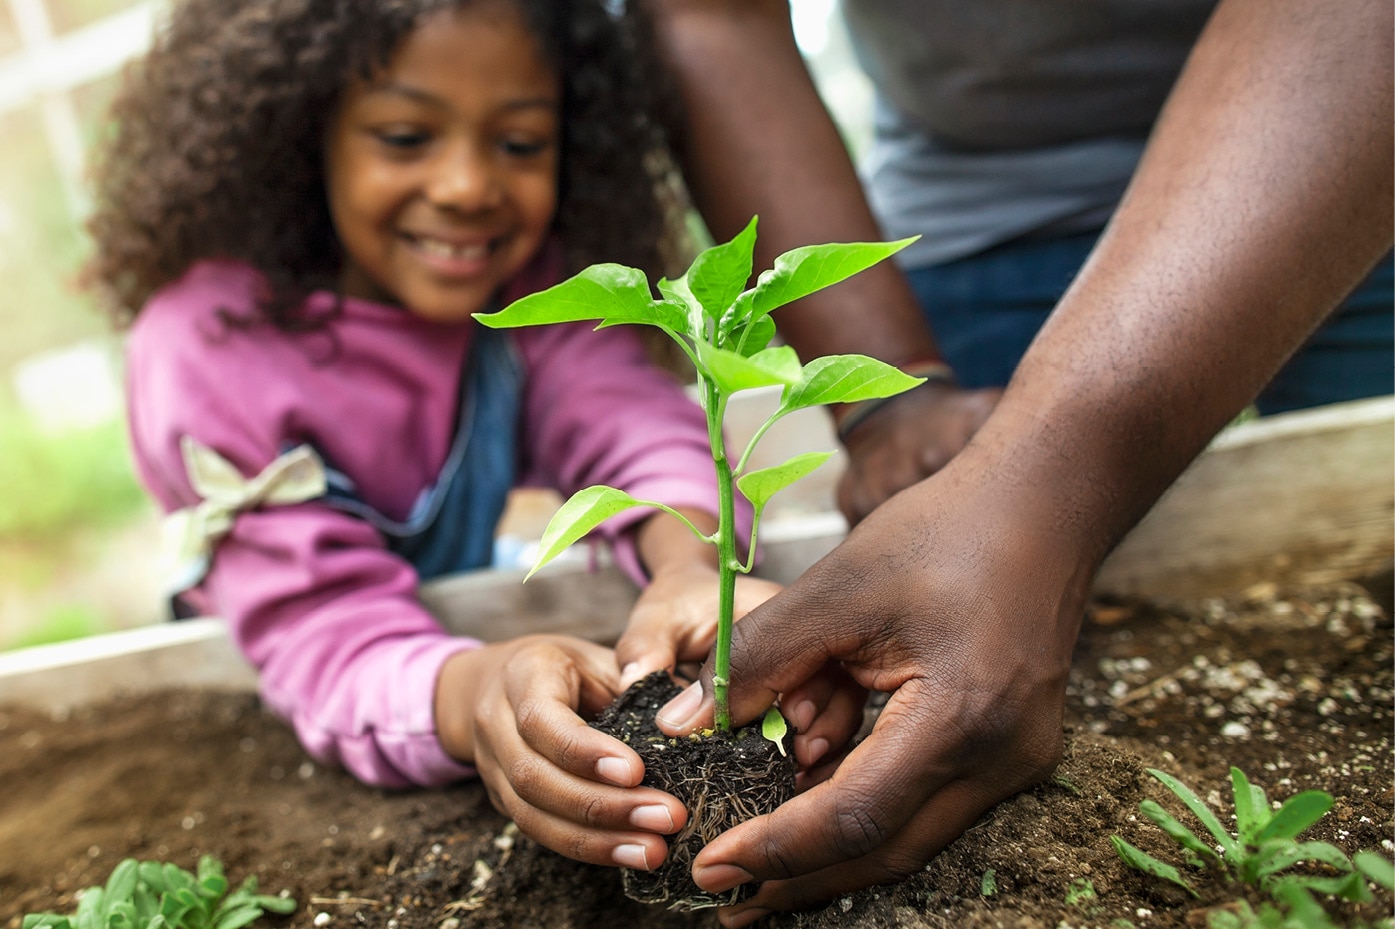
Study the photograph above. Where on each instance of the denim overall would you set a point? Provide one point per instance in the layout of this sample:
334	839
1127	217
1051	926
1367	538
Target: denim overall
451	525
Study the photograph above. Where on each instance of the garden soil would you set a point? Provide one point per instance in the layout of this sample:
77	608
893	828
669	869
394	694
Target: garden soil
1295	688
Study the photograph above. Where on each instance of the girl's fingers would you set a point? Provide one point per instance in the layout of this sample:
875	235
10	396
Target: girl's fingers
631	848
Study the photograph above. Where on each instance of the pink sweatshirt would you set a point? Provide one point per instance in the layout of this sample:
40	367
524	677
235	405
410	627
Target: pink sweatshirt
314	599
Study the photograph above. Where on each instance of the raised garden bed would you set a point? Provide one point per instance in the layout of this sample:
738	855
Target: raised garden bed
1288	678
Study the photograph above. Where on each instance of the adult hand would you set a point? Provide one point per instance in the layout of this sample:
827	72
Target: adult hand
961	599
568	786
906	440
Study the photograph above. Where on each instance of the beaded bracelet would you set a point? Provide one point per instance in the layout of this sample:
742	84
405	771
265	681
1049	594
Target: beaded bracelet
934	372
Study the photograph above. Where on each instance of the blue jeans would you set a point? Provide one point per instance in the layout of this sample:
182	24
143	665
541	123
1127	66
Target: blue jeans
987	308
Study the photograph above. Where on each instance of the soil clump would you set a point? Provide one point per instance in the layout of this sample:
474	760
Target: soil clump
722	778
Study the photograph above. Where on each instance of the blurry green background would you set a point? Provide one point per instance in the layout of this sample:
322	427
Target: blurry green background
77	536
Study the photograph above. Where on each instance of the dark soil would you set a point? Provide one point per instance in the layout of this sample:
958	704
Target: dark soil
723	779
1294	689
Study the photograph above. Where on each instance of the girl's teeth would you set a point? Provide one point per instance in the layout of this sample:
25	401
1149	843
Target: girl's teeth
446	250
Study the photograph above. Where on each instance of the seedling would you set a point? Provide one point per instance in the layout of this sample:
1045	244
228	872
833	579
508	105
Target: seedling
725	329
1261	852
155	895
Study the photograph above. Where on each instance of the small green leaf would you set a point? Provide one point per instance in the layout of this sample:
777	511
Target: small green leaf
1251	807
1080	892
46	921
988	884
610	293
1178	832
1376	867
751	338
586	510
122	882
732	372
237	917
802	271
1142	861
1344	886
1200	810
720	273
760	486
773	727
846	379
1297	814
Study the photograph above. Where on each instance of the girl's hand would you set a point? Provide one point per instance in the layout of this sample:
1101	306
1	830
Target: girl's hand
675	619
511	709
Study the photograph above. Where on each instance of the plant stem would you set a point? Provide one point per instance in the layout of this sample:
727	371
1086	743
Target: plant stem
727	564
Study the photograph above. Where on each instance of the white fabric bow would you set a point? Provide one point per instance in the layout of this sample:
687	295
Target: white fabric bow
192	534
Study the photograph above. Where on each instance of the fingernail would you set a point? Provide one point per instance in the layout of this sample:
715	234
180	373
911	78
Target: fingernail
743	918
631	856
679	711
615	770
803	715
629	674
654	818
815	750
719	877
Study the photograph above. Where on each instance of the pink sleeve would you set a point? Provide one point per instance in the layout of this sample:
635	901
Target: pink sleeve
599	412
345	651
313	598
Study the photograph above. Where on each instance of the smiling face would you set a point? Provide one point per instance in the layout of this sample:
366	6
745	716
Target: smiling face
441	171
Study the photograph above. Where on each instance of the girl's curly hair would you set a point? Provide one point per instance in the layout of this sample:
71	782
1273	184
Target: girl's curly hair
218	132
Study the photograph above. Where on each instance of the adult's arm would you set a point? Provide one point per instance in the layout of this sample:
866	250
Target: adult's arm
1263	198
758	140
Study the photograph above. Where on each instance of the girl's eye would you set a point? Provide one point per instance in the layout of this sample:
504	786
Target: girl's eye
523	148
401	138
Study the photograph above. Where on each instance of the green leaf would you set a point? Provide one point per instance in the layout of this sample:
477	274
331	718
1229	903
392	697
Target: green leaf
122	882
760	486
773	727
1276	854
677	292
152	874
91	911
802	271
846	379
751	338
1349	886
610	293
46	921
1297	814
1142	861
237	917
720	273
275	904
1200	810
1376	867
732	372
1178	832
586	510
1251	807
988	884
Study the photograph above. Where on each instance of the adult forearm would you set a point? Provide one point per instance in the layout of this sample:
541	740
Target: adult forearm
1263	198
760	141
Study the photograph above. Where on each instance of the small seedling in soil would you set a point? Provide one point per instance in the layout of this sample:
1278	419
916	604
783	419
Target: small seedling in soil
725	330
1261	854
155	895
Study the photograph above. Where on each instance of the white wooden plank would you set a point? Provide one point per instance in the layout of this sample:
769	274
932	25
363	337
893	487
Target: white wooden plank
1300	498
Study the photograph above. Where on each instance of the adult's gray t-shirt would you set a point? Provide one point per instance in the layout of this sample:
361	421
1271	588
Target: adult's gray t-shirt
997	119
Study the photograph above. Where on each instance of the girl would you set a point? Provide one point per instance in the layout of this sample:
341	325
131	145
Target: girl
302	204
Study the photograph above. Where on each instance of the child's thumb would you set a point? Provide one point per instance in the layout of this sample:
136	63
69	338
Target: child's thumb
642	651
